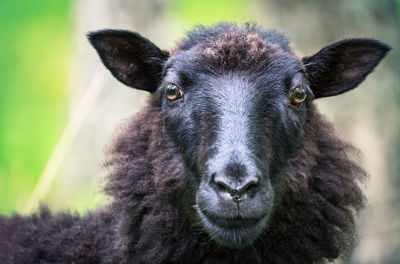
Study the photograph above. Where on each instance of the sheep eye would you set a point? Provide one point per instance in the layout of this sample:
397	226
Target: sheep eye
298	95
173	92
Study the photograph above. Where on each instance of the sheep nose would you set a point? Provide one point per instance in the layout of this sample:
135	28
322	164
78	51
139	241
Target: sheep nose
237	189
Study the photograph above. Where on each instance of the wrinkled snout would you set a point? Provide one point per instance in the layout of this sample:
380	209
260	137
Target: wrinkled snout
235	181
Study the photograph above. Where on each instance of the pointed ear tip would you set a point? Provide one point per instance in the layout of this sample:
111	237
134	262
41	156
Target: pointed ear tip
382	46
386	47
378	47
382	49
92	37
95	35
91	34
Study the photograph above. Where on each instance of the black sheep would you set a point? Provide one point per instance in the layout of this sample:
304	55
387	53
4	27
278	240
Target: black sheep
230	162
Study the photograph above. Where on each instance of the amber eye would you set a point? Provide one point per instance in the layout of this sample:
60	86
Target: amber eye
298	95
173	92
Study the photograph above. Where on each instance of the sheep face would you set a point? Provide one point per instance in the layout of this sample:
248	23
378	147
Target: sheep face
235	105
235	130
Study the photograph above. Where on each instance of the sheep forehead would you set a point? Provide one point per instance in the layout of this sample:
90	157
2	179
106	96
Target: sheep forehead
234	45
235	49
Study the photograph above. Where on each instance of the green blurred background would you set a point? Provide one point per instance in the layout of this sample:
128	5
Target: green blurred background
34	50
59	106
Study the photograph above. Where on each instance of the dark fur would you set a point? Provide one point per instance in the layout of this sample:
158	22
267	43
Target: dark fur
61	238
315	219
151	219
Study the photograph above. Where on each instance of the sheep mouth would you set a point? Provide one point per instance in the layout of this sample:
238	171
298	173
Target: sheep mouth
232	222
233	232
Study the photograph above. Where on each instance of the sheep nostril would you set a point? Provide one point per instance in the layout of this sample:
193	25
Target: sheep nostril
251	183
221	185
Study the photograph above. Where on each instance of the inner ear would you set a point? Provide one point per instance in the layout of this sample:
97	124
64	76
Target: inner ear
343	65
131	58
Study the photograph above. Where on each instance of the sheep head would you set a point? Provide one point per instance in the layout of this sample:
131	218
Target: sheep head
235	102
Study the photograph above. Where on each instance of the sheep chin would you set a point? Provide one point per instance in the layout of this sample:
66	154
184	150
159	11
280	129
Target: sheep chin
234	236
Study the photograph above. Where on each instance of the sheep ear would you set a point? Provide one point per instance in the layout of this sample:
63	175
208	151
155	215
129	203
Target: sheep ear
131	58
341	66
